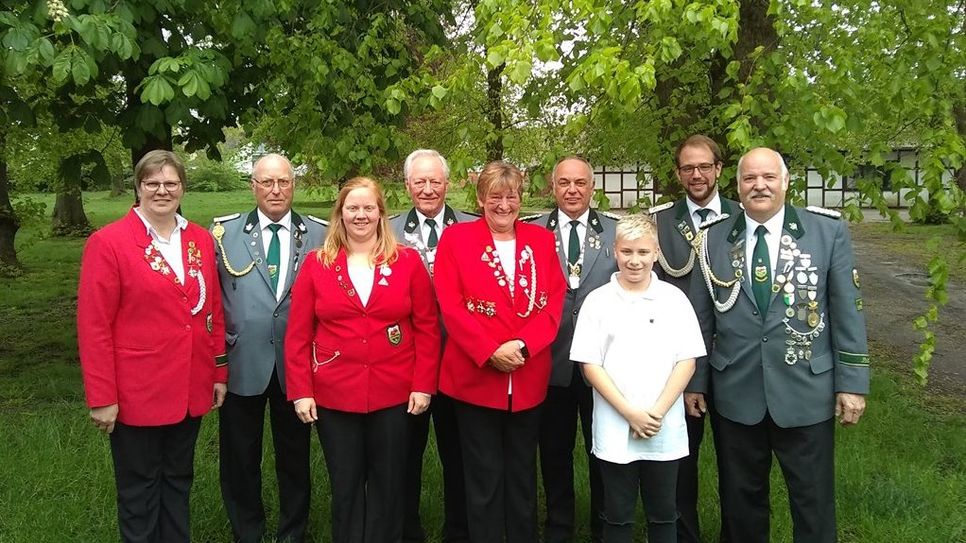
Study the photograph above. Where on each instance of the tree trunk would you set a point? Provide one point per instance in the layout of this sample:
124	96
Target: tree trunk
119	186
69	218
494	113
9	224
756	28
960	112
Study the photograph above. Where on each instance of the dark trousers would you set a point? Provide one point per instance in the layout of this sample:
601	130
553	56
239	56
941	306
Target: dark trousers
241	420
365	454
655	482
454	489
806	457
153	471
558	434
688	526
499	460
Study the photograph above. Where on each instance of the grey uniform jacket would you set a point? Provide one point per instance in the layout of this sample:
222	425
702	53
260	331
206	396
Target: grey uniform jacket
790	363
676	236
597	267
406	228
254	320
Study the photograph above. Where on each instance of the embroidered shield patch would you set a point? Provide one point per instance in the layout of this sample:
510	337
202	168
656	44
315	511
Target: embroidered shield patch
394	334
209	323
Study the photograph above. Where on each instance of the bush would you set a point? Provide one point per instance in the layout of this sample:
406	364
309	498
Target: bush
206	175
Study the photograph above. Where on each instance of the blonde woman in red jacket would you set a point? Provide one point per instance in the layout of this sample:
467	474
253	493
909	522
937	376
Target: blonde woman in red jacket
501	290
362	354
151	339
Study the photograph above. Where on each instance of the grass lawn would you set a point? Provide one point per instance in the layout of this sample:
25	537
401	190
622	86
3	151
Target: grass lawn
900	473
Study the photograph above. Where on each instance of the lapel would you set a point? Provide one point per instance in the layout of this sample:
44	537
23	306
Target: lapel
494	270
683	223
792	231
592	244
253	242
552	226
737	255
341	269
727	205
297	251
153	261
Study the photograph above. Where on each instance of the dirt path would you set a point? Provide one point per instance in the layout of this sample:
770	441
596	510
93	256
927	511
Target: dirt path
894	294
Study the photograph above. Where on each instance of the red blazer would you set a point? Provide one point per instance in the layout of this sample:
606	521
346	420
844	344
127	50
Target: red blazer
140	346
356	358
480	315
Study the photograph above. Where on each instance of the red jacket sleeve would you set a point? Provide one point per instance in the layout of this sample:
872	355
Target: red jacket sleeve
213	291
98	297
300	332
425	319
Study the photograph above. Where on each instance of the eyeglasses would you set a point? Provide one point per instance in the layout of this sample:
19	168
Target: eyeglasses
567	183
155	186
421	183
269	183
705	167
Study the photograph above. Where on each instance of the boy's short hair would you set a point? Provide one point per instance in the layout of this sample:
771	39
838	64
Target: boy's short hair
631	227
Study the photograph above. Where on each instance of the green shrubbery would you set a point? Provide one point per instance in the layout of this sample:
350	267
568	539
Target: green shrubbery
205	175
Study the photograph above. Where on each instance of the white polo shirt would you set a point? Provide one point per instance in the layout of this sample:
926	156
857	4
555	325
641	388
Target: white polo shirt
637	338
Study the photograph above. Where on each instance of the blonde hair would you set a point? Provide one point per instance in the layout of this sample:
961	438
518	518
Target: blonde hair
386	249
631	227
498	176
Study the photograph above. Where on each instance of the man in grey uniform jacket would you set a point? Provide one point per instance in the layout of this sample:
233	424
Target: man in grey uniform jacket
427	178
698	161
585	246
790	351
259	255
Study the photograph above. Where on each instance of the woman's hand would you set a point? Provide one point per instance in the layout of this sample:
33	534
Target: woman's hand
218	395
418	403
305	410
507	357
104	417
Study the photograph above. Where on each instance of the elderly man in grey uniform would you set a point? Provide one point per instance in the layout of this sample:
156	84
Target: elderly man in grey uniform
585	244
790	351
427	178
698	164
258	258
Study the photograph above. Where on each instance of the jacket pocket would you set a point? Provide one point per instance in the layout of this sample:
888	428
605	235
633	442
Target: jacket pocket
322	356
719	362
821	364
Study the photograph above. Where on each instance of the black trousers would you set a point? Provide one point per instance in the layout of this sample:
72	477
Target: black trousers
499	460
806	456
241	421
153	471
365	454
558	434
689	530
451	458
655	481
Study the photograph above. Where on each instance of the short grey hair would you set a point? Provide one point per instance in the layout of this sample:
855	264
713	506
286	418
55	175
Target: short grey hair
781	160
420	153
274	156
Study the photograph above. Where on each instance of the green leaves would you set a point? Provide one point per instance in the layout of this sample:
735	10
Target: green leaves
156	89
74	63
831	118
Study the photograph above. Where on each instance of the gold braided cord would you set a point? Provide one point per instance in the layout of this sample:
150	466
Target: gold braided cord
218	233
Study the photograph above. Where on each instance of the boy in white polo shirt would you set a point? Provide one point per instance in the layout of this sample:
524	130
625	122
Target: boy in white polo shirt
637	338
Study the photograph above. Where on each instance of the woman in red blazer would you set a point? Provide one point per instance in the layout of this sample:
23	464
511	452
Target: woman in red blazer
501	291
151	335
362	351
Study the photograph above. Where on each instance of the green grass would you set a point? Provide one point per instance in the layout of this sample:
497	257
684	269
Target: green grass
900	472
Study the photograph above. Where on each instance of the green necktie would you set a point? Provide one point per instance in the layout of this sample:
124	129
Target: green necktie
703	213
573	254
274	255
761	271
433	238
